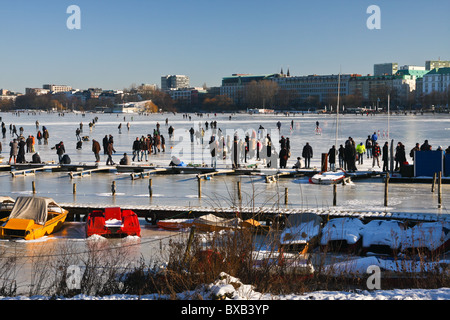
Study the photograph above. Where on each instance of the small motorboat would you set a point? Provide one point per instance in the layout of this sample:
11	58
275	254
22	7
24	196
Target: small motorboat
301	233
33	218
113	222
211	223
328	177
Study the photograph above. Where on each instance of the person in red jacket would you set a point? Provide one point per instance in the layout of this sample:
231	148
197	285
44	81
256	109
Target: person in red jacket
376	155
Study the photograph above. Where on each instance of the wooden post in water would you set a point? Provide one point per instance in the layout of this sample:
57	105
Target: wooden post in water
150	187
199	183
334	194
239	190
33	186
386	189
113	188
74	188
286	196
434	182
440	189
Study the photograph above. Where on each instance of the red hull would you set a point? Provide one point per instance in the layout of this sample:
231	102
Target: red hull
99	222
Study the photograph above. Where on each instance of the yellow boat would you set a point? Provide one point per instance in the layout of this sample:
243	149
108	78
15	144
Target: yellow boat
32	218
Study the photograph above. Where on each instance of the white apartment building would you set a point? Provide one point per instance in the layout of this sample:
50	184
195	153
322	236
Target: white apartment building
437	80
55	88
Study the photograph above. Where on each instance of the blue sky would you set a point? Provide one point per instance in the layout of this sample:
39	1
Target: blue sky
137	41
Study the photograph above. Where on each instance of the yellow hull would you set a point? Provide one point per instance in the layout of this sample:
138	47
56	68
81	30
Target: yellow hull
28	230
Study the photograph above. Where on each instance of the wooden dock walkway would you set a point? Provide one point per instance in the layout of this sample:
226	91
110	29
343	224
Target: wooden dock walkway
156	212
146	170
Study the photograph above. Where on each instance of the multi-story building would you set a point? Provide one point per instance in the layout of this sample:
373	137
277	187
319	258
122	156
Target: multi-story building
320	88
381	69
186	96
400	86
174	82
234	87
55	88
437	80
433	64
36	91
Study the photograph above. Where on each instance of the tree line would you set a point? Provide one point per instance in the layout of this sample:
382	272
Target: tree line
261	94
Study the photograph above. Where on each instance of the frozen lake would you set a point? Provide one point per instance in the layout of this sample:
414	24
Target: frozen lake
181	190
220	191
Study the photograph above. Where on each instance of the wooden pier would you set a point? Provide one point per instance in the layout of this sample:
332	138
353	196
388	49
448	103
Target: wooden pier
141	171
152	213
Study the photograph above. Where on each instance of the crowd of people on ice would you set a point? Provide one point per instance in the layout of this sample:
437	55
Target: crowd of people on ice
257	146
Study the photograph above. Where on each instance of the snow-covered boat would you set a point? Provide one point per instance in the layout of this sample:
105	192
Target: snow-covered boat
113	222
210	223
300	233
328	177
342	235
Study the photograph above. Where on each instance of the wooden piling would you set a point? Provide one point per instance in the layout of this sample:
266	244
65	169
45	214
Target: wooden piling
239	190
286	200
74	188
334	194
434	182
386	189
113	188
33	186
150	184
199	184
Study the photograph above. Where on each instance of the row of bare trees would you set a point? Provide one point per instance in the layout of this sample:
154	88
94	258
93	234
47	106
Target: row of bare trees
262	94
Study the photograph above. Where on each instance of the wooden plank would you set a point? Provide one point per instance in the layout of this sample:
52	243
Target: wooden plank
208	174
30	171
141	175
82	173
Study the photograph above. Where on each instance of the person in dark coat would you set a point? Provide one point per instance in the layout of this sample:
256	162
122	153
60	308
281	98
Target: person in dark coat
96	150
283	158
350	154
385	157
109	151
105	144
342	162
136	148
332	158
269	150
21	152
36	158
425	146
307	154
14	148
400	156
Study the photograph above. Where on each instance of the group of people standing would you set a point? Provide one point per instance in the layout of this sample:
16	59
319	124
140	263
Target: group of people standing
146	145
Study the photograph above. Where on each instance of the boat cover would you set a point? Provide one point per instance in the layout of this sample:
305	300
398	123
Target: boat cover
213	220
6	199
34	208
301	228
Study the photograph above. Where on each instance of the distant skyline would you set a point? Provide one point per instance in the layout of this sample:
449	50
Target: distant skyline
132	42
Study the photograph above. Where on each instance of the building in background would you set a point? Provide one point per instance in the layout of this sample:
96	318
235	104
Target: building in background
436	80
174	82
36	91
55	88
435	64
382	69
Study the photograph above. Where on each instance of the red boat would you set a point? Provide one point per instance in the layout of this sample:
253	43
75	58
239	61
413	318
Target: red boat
113	222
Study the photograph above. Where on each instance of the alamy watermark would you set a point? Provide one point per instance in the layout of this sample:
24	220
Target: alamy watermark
74	20
374	21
